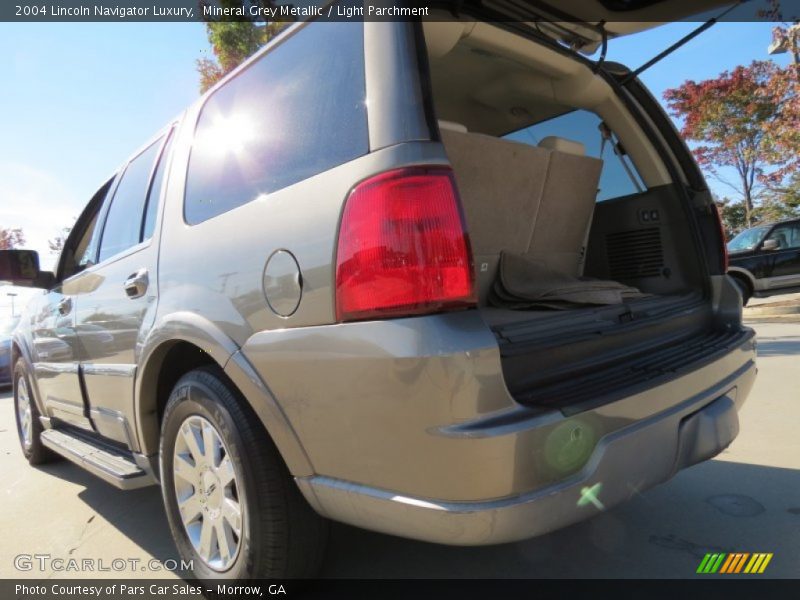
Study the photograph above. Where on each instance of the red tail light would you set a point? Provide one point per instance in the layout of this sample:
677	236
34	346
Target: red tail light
403	248
718	216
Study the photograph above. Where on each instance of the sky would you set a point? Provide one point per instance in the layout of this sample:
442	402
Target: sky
78	98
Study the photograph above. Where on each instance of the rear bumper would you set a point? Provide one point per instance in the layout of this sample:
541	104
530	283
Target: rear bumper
623	464
409	429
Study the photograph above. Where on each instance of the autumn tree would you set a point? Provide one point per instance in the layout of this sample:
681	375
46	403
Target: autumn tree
233	39
732	119
11	238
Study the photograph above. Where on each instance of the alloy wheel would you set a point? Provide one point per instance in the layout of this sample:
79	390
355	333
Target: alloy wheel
24	412
208	493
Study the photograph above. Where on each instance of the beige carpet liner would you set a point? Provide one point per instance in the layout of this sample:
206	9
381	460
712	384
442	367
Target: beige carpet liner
523	283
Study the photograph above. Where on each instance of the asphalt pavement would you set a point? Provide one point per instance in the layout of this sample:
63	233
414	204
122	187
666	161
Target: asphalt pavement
745	500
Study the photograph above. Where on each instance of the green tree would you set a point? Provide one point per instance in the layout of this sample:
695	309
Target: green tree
774	208
733	216
782	201
790	195
11	238
233	39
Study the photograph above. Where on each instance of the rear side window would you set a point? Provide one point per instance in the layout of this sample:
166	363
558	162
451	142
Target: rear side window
124	221
617	178
296	112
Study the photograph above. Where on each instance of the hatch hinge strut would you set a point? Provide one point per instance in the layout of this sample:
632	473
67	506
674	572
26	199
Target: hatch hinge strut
687	38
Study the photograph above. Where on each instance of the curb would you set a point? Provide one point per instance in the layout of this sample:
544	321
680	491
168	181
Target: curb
772	309
791	318
778	307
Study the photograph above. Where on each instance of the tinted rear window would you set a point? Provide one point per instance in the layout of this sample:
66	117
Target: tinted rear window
296	112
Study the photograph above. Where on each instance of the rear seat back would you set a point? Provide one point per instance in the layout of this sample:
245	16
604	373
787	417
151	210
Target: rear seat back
523	199
501	185
561	229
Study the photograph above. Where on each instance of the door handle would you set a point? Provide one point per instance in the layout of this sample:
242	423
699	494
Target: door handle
136	284
65	306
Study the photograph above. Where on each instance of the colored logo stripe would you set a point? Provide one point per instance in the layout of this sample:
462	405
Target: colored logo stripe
758	563
711	563
727	564
703	564
741	562
734	562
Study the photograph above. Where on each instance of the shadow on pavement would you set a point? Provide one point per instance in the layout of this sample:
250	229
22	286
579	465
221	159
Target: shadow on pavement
664	532
137	514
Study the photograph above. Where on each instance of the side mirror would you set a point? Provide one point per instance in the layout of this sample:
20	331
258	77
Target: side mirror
770	245
21	267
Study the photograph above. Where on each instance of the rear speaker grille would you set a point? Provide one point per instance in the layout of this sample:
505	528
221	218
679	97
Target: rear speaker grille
635	254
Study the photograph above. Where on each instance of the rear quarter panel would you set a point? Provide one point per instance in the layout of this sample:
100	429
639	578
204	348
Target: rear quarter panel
211	274
216	268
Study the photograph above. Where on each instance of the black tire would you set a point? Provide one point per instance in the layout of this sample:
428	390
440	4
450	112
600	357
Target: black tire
35	452
281	535
744	288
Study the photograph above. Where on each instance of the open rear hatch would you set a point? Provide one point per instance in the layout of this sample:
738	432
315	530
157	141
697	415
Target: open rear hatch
535	137
583	24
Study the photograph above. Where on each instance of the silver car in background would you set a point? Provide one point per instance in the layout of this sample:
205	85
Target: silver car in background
6	329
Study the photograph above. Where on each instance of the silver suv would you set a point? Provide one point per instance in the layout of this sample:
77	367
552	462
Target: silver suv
447	280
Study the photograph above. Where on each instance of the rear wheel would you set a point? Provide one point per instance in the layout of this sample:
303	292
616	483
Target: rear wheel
233	508
29	428
744	288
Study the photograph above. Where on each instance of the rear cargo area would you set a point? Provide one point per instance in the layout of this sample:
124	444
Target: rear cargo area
589	293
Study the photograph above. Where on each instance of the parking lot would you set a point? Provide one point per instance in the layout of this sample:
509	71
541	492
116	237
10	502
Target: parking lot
746	500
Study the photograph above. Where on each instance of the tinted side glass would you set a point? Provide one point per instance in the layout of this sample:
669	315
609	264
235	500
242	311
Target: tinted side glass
154	195
584	126
85	252
747	239
296	112
787	236
124	220
87	247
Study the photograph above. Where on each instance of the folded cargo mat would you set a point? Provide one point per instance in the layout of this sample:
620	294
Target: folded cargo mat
523	283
